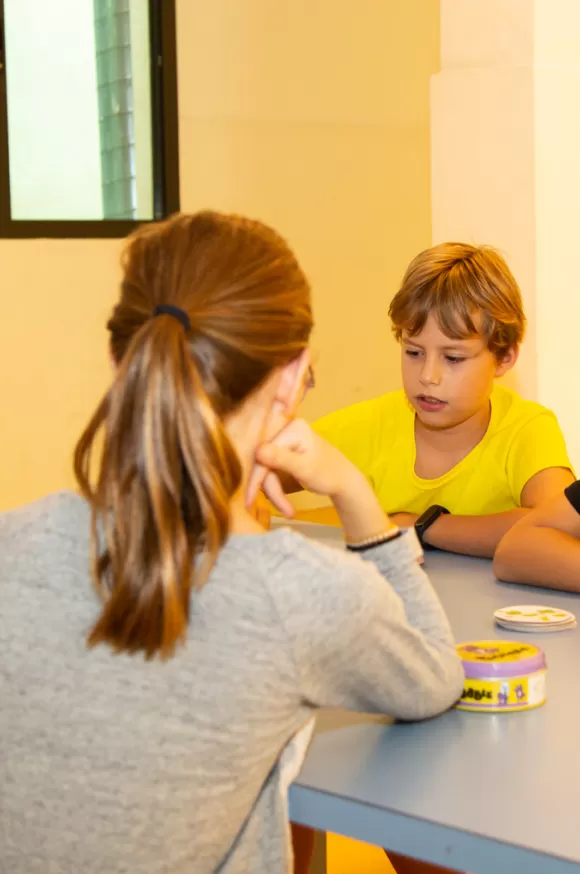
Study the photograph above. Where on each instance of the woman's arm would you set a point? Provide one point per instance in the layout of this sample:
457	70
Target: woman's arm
367	635
367	629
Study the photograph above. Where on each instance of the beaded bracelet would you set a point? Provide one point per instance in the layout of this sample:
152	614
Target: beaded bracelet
375	540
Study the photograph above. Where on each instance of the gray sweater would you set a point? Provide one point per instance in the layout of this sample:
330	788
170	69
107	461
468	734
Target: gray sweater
112	765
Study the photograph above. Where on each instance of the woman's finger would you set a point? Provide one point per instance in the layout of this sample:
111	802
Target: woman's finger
255	481
272	488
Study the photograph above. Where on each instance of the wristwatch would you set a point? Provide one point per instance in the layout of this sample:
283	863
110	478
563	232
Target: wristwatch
425	521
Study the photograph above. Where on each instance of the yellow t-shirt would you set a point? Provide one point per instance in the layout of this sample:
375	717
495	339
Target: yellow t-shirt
378	436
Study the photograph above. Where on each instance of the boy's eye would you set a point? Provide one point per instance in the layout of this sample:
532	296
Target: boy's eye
454	359
412	353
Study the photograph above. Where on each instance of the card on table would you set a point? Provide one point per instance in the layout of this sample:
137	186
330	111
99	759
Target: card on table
534	618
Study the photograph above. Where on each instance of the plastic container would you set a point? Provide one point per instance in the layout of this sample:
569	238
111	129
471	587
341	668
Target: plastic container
502	676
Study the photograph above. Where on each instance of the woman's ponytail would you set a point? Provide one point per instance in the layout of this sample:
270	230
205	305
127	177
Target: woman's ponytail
166	476
210	304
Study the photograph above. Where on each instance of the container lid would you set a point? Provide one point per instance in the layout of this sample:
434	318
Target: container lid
487	659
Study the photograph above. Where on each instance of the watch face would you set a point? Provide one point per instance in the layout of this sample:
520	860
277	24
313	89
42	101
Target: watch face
429	516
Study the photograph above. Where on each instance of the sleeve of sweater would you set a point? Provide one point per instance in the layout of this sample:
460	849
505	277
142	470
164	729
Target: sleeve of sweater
368	633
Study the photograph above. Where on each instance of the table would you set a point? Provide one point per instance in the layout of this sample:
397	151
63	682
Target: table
488	794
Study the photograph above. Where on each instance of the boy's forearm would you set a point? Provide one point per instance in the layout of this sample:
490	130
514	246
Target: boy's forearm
539	557
472	535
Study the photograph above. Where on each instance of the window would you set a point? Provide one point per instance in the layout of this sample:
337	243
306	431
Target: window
88	116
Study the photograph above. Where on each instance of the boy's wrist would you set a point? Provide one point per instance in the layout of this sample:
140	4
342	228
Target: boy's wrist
427	524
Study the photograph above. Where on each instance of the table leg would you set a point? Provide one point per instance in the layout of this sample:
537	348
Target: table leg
318	864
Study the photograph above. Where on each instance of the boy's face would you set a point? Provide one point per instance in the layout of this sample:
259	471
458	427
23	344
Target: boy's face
447	380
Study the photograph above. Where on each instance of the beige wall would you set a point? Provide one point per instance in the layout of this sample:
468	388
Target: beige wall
505	169
53	356
316	118
311	116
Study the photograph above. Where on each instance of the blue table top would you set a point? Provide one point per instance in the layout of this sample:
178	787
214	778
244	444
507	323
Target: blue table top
477	792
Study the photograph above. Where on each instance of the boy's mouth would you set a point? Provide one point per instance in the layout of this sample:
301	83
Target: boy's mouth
431	404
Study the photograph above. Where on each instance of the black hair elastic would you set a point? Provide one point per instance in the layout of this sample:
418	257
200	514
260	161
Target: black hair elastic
167	309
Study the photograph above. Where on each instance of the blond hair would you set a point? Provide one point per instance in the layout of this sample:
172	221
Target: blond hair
469	289
166	468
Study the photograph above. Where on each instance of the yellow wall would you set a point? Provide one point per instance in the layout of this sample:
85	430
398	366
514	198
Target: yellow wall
312	116
53	357
315	117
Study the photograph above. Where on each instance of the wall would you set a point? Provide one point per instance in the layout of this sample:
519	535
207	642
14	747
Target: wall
505	145
309	116
557	193
482	128
56	295
315	118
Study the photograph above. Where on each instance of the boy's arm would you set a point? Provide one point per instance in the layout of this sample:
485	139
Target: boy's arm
537	469
543	549
480	535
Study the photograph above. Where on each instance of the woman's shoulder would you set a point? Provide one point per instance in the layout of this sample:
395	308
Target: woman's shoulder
291	543
300	549
60	513
295	567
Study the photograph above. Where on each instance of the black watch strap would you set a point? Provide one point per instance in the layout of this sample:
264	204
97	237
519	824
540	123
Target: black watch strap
425	521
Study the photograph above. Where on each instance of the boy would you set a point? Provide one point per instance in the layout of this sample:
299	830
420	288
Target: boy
454	454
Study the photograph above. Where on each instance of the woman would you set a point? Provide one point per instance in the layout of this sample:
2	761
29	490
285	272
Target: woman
179	758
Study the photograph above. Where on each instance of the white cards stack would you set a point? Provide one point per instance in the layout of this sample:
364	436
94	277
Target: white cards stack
534	618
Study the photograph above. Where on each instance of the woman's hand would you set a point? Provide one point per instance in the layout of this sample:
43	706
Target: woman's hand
260	510
298	452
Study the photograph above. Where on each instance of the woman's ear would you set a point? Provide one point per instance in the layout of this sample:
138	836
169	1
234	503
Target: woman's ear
507	361
293	381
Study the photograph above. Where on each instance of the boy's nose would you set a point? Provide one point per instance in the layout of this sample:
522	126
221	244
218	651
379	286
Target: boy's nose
430	374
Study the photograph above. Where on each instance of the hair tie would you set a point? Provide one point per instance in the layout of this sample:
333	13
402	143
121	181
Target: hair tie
167	309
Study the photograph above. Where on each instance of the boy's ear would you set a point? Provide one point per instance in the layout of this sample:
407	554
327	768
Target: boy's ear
293	379
507	360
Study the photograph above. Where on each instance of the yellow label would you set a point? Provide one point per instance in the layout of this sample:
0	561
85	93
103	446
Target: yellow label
483	651
509	694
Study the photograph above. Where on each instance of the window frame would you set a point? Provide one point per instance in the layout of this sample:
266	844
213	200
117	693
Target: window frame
165	135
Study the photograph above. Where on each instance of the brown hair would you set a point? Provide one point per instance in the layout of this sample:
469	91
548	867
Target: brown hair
167	470
469	289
